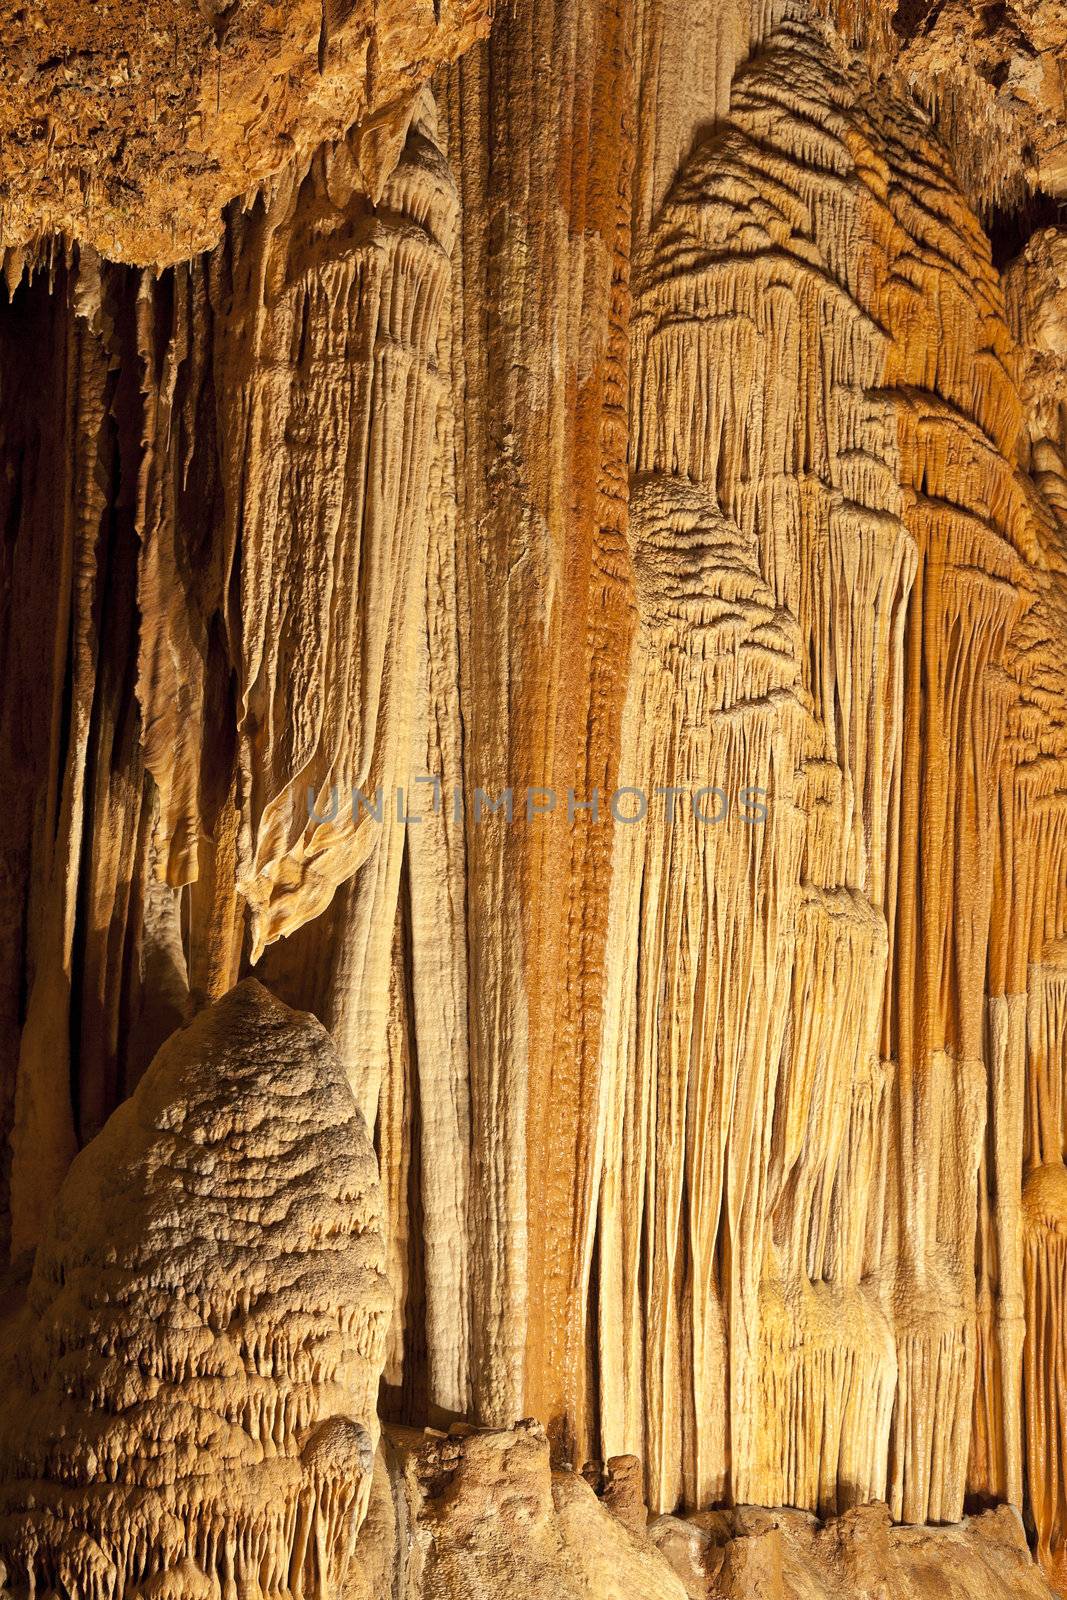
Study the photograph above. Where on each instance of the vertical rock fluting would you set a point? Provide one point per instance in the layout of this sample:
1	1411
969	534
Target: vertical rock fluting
323	308
866	444
214	696
799	458
541	143
1036	919
77	829
697	994
641	411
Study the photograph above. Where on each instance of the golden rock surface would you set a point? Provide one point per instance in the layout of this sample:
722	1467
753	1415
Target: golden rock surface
540	541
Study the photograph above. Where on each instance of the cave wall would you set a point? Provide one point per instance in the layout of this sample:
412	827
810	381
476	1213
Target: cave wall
634	400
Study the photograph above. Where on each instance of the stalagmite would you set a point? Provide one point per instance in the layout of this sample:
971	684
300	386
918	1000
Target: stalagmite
191	1389
536	536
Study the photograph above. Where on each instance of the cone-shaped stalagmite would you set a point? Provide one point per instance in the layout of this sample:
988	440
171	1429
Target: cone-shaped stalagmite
193	1383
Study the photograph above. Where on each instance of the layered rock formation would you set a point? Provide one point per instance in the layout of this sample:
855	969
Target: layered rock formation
192	1385
550	550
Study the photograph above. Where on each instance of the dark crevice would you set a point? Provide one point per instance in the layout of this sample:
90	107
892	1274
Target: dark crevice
913	15
1010	229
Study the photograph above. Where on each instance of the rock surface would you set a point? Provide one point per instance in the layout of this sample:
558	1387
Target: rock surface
190	1393
993	78
131	131
784	1555
559	567
481	1514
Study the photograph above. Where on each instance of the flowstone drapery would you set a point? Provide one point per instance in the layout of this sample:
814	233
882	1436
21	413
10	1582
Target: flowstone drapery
539	539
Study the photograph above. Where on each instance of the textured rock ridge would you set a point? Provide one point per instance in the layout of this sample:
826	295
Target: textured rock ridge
190	1393
481	1514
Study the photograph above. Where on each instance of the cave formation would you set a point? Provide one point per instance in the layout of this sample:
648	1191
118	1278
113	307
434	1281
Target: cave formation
533	856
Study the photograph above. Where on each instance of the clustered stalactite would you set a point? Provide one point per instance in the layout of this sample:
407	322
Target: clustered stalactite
638	410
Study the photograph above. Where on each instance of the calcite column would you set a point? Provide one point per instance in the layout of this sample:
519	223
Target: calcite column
957	419
753	270
329	306
540	137
697	990
833	365
237	556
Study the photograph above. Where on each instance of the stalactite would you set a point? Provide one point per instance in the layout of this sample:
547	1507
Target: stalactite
862	422
197	105
714	706
1037	917
332	326
1045	1254
715	299
365	681
88	834
220	420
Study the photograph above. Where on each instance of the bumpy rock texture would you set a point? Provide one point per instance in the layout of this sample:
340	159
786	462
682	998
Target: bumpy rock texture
481	1514
190	1397
569	586
130	130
